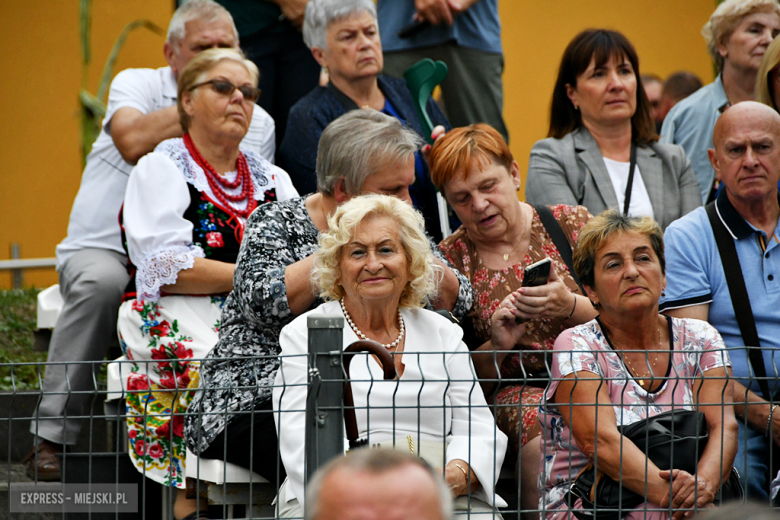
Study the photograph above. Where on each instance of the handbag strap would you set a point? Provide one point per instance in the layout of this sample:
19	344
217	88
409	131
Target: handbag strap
559	239
739	296
574	492
630	184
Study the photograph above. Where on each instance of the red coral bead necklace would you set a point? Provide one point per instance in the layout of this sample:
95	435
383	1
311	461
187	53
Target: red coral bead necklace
217	182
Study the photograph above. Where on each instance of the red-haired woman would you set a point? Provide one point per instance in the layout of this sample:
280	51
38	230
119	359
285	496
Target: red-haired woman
500	236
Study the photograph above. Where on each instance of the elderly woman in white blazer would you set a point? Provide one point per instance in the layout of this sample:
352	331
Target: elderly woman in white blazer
376	268
599	120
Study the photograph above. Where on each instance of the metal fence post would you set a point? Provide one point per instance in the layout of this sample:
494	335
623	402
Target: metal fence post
17	273
324	410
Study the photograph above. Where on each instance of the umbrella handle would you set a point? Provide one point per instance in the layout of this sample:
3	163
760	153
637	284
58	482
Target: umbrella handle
388	367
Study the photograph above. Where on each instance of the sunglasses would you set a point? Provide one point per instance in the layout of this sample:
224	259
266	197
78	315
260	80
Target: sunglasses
226	88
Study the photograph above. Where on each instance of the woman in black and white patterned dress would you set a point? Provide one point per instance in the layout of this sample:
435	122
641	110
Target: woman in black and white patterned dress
363	151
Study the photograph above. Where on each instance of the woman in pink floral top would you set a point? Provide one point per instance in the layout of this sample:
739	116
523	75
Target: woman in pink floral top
500	236
635	364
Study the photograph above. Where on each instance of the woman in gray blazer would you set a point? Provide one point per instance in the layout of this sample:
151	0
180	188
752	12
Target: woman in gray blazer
601	130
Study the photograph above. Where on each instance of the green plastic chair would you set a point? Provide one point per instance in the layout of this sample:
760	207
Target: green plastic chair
421	78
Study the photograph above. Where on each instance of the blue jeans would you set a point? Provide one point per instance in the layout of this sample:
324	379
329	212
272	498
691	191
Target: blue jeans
752	462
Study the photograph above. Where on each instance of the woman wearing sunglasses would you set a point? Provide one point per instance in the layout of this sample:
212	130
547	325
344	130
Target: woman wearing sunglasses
184	214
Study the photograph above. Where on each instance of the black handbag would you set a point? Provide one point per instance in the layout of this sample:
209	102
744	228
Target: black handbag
674	439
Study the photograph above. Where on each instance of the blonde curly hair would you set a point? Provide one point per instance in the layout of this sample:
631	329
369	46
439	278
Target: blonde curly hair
424	274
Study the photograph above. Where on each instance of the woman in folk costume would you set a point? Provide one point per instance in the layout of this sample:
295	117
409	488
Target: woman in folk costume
185	210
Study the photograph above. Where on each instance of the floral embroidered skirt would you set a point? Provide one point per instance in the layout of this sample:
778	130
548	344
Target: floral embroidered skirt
165	342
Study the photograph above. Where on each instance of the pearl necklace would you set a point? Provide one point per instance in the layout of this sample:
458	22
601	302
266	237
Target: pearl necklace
359	334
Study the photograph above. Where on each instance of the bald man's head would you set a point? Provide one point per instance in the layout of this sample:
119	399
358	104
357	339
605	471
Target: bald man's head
747	111
746	157
378	484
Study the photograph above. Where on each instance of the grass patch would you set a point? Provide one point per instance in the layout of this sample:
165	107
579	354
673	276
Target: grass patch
17	323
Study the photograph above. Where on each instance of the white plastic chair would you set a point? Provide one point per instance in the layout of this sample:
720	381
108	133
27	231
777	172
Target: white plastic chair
231	485
50	304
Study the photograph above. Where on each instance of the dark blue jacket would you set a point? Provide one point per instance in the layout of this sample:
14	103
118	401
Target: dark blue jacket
311	114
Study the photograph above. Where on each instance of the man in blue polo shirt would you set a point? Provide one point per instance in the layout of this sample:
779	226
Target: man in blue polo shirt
746	160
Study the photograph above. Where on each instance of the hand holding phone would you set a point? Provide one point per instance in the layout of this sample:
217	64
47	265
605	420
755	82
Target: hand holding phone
535	275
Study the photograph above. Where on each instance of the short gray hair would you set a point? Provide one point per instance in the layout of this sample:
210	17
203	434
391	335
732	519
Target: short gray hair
357	145
374	461
727	17
207	10
321	13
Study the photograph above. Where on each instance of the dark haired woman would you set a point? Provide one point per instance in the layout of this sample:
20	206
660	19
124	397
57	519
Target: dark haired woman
600	120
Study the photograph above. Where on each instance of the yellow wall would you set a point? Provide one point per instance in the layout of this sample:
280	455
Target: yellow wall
41	65
39	135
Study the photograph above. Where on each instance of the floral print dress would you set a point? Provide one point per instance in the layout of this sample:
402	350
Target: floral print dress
516	404
171	217
696	348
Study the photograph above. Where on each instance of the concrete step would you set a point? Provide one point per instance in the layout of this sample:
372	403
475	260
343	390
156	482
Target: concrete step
11	473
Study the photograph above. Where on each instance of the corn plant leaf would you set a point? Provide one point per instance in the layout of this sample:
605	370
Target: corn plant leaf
108	69
85	23
92	104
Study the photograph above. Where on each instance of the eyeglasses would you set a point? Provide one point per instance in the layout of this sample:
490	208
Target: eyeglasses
226	88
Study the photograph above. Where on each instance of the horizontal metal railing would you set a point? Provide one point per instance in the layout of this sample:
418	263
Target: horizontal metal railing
27	263
101	453
18	265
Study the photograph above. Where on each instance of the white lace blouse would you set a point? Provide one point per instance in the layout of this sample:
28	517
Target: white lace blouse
159	238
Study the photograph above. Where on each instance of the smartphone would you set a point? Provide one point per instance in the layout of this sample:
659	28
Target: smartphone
537	274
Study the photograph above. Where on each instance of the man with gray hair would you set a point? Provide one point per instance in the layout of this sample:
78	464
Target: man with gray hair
373	484
358	144
721	265
92	263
